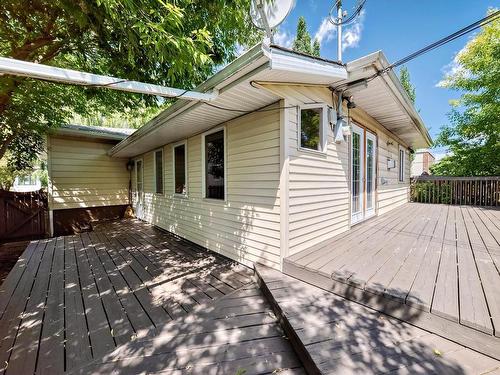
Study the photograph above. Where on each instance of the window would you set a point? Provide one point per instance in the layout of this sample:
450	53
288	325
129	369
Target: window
401	164
26	180
180	169
312	127
159	171
138	176
214	165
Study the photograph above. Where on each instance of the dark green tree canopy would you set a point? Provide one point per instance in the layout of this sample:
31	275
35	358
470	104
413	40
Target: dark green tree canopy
175	43
303	42
404	77
473	134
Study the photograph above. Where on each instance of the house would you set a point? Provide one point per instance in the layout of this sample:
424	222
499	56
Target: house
27	182
263	171
85	184
421	163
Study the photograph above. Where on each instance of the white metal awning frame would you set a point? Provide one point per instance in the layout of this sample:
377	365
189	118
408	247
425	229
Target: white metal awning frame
75	77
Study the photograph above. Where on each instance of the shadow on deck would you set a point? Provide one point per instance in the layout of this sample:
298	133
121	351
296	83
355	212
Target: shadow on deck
435	266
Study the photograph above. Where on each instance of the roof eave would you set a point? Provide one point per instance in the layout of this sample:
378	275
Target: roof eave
378	61
180	105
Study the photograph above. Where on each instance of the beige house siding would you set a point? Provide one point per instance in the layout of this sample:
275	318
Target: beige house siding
245	227
319	189
82	175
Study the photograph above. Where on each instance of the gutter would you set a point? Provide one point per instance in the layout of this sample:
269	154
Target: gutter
181	105
376	62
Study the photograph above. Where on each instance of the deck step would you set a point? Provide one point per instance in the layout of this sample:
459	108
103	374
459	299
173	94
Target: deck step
469	337
332	334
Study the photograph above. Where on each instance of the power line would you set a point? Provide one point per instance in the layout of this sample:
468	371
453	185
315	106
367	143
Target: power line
467	29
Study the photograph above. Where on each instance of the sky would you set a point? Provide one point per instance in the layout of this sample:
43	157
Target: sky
398	28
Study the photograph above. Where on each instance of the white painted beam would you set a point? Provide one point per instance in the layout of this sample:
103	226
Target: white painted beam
68	76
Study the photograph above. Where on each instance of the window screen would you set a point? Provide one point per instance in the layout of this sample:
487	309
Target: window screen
214	165
310	128
159	171
180	169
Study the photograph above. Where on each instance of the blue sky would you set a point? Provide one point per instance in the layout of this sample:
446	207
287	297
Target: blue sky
398	27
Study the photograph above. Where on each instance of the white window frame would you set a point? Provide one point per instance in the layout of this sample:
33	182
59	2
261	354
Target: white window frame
401	164
323	130
162	171
174	146
203	168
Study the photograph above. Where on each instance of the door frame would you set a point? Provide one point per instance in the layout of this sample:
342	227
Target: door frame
364	214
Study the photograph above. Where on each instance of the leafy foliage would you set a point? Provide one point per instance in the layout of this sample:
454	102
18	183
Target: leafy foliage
310	128
175	43
473	134
303	42
404	77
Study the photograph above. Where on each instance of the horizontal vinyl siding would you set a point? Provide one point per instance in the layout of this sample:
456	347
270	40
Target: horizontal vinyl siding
246	227
82	175
318	183
391	193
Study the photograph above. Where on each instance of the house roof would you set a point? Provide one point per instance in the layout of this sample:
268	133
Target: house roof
99	132
384	98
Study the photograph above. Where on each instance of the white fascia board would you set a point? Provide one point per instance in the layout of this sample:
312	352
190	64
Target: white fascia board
293	62
370	64
68	76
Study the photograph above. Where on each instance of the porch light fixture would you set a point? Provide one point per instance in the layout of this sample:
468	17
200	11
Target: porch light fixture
130	165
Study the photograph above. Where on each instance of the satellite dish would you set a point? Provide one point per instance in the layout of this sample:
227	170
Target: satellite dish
269	14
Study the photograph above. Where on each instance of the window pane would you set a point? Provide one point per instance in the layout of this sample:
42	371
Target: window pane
401	165
159	171
139	175
310	120
214	165
180	169
370	167
356	172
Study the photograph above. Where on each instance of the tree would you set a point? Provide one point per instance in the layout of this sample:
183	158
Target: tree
404	77
473	134
302	41
316	48
175	43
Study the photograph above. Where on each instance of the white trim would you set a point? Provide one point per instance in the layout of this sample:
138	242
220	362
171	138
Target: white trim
54	74
401	164
284	181
323	128
203	171
155	186
139	199
174	146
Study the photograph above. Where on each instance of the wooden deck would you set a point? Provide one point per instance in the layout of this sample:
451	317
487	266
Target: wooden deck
333	335
238	333
71	300
439	259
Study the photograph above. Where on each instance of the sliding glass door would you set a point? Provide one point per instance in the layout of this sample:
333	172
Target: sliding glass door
363	174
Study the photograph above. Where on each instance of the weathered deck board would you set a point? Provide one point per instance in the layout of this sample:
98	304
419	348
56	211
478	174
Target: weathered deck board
337	336
70	300
222	340
440	259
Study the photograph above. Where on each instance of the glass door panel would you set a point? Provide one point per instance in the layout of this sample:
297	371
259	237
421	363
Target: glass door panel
371	146
357	185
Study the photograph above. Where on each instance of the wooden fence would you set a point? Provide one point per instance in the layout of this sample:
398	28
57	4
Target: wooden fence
22	215
477	191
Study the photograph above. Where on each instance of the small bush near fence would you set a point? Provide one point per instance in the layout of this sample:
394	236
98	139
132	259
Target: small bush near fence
479	191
